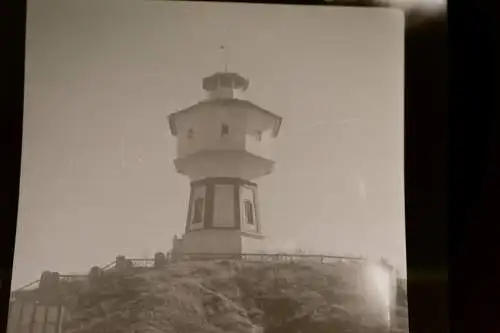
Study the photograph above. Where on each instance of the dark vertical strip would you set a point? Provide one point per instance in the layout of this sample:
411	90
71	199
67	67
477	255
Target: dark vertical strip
18	322
20	319
59	319
391	296
189	208
208	219
10	317
45	320
256	208
237	212
32	321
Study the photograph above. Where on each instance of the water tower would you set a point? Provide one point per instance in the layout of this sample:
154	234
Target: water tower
223	147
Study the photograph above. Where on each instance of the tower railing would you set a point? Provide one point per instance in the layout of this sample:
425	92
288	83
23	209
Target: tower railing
176	257
65	277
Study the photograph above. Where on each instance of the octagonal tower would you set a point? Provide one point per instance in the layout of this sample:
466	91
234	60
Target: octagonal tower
223	146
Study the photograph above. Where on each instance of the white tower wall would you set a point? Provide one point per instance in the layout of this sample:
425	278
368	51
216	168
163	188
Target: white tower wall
212	241
206	126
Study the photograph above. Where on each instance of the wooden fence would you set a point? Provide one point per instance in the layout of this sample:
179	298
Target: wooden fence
169	258
24	320
33	317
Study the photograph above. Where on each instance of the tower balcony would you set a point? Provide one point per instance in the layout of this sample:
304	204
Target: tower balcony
223	163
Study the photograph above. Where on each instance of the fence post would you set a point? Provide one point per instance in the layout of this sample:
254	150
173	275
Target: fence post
122	263
95	275
160	260
48	288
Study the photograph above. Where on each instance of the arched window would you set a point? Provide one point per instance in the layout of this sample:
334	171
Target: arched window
249	212
198	211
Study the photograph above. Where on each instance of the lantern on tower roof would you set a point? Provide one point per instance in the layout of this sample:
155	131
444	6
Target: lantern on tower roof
225	80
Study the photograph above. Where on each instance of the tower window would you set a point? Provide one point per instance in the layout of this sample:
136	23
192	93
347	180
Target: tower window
258	135
224	130
198	211
249	212
190	133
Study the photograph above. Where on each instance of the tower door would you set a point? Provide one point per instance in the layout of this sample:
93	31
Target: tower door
224	213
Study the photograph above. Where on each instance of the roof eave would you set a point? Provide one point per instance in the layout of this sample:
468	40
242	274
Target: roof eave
275	130
171	123
278	119
277	127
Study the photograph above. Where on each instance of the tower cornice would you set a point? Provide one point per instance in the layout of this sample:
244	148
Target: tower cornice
223	103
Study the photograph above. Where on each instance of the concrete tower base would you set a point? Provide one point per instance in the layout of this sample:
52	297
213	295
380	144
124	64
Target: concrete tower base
222	242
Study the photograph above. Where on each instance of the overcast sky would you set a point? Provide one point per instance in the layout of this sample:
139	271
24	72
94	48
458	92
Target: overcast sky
101	76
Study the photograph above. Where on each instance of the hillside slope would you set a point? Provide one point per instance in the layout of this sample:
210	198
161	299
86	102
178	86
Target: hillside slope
220	296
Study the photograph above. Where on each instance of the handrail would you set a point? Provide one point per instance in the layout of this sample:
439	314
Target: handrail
108	266
268	255
239	256
27	285
71	277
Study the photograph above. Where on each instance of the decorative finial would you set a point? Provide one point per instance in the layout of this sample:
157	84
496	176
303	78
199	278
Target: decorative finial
223	49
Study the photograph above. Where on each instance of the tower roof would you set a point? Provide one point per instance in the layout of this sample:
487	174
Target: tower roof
224	102
225	80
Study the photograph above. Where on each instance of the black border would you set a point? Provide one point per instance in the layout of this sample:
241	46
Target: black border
14	31
426	159
474	167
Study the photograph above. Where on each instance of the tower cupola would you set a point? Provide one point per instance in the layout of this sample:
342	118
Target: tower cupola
225	85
